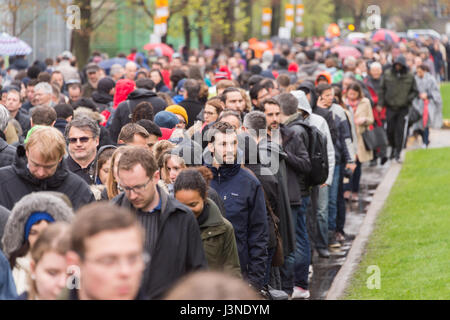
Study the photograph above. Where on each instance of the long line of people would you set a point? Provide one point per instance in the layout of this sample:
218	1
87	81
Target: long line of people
237	165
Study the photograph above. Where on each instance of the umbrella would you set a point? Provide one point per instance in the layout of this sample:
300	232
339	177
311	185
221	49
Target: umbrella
11	46
107	64
385	35
346	51
165	49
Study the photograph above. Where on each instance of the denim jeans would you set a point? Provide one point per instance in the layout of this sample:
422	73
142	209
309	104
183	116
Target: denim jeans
287	269
332	204
321	236
300	261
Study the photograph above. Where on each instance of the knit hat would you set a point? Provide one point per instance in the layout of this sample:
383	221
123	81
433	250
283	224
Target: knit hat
166	119
177	109
34	218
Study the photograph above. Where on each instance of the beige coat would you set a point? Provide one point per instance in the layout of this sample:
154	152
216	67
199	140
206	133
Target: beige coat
364	110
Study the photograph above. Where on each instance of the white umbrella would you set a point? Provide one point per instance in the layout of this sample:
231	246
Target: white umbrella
12	46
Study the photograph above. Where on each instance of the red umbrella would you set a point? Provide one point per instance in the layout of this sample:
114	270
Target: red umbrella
346	51
385	35
165	49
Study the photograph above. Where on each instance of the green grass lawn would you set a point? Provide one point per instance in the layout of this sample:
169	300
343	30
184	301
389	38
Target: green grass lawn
445	91
411	240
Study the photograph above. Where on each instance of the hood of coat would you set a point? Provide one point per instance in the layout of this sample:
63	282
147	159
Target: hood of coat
102	97
303	103
20	167
14	233
214	216
141	94
123	88
401	60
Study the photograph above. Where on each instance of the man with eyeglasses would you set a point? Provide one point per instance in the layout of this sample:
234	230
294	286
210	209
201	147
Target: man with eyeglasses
172	236
82	135
107	255
38	166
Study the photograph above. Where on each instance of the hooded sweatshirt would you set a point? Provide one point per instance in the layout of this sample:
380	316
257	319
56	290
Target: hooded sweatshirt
320	123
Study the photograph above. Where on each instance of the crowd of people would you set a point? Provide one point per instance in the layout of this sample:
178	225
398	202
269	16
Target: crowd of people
117	183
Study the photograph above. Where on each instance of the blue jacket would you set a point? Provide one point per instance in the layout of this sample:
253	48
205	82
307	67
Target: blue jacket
7	286
245	208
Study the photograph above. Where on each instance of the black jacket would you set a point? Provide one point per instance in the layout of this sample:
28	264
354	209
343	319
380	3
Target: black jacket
179	247
122	115
102	100
298	165
7	153
193	108
297	126
24	119
61	124
16	181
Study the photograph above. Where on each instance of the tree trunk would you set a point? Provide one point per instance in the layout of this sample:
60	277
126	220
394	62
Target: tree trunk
230	20
249	13
81	38
187	32
276	17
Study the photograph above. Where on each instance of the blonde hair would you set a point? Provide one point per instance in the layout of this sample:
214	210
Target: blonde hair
55	238
49	141
165	171
111	185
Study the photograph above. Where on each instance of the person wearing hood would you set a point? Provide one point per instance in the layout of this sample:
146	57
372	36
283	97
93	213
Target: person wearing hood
29	217
38	166
144	92
244	202
397	91
104	95
292	111
217	232
123	88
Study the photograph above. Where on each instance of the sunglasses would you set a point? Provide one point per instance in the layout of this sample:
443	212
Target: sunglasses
82	140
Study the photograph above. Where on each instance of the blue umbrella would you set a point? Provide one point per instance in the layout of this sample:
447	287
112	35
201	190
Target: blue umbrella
11	46
107	64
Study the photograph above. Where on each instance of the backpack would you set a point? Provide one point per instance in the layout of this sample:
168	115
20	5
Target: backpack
318	156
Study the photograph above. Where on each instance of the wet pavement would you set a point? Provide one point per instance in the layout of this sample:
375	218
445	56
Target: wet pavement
325	269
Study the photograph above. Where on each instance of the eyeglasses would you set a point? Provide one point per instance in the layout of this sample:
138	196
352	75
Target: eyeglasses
82	140
113	262
136	189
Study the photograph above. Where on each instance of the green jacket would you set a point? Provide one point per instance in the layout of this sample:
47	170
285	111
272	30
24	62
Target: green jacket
219	242
397	91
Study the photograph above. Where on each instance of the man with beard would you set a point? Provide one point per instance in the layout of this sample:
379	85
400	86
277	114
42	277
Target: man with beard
83	136
93	74
244	201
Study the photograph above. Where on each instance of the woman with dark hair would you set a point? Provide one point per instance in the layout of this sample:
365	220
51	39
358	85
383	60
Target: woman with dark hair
363	118
157	78
217	232
144	110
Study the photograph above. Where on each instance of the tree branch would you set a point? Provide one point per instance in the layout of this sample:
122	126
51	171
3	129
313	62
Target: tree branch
26	25
102	19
